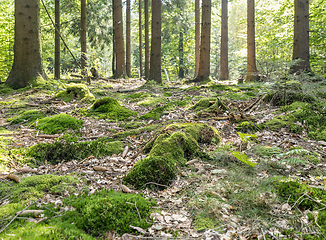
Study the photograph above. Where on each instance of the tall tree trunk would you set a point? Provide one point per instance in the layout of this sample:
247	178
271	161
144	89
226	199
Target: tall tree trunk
251	48
155	61
197	36
113	42
27	63
224	69
204	63
57	41
140	41
83	37
181	63
118	31
301	36
146	41
128	54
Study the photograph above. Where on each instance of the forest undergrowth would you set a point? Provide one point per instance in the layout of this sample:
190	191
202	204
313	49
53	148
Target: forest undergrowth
133	160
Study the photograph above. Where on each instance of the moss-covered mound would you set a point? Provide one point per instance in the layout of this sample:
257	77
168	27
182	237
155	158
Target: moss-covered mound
110	108
170	149
59	123
209	105
76	91
32	188
157	112
281	98
27	116
301	115
107	210
68	150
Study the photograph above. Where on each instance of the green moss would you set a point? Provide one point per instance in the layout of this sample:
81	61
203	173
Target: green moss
223	87
112	109
27	116
76	91
59	123
123	135
202	223
157	112
152	101
106	210
34	187
5	89
277	98
170	149
66	150
167	94
247	127
138	95
208	105
131	125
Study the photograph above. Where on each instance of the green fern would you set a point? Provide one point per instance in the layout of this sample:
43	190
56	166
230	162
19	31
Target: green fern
297	151
293	161
246	138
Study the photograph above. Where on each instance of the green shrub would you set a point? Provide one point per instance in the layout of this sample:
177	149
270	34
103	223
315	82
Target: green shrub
108	210
59	123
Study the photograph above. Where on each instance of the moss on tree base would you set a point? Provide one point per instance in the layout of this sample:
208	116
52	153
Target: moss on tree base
172	148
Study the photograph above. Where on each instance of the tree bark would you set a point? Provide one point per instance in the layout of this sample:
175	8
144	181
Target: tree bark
140	41
83	37
224	65
113	42
27	63
57	41
251	48
204	63
118	31
128	52
197	36
155	61
301	36
181	62
146	41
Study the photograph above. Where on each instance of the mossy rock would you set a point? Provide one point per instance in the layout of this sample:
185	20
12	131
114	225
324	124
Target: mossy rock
106	210
110	108
76	91
172	148
59	123
209	105
278	98
69	150
27	116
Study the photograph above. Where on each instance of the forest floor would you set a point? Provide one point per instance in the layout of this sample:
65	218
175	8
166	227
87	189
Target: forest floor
264	180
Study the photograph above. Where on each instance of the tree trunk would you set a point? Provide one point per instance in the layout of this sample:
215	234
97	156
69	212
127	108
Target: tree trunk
128	54
251	48
118	31
146	41
197	36
224	69
113	42
27	63
181	63
83	37
155	61
140	41
301	36
204	63
57	41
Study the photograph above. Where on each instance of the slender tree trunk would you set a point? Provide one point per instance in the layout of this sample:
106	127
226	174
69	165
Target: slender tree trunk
204	63
224	69
251	48
118	30
155	61
27	63
83	37
140	41
146	41
114	52
301	36
57	41
197	36
128	54
181	62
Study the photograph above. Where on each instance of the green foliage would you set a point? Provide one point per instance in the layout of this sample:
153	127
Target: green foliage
243	158
59	123
5	89
209	105
76	91
266	152
67	150
27	116
112	109
247	127
170	149
246	138
106	210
